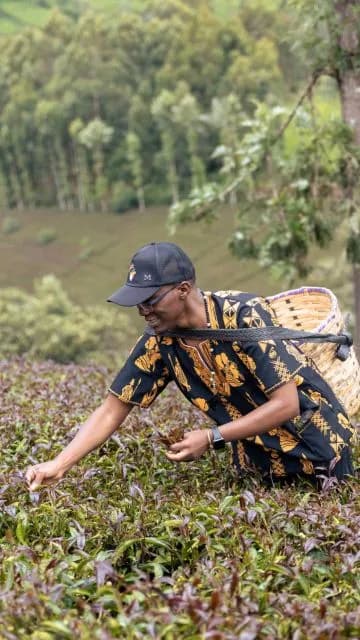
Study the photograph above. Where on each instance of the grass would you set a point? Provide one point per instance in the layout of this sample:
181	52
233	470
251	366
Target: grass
131	546
113	239
23	14
16	14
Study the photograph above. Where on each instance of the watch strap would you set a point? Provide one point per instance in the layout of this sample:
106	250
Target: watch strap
218	441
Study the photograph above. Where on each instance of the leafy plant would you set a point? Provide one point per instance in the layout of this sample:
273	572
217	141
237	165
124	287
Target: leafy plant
130	545
46	324
10	225
46	236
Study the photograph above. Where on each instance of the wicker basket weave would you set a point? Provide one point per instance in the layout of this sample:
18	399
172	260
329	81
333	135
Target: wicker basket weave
316	309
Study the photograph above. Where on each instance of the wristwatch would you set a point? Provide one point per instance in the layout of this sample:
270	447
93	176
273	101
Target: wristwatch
218	441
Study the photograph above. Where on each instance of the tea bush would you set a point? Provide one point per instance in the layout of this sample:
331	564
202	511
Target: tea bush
47	324
132	546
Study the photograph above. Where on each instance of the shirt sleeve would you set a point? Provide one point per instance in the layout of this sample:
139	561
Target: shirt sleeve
143	376
272	363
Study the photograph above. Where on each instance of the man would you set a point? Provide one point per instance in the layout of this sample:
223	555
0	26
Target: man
280	416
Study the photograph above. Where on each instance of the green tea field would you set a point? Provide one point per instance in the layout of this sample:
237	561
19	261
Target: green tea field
131	546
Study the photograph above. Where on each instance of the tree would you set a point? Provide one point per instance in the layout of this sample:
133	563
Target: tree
95	136
292	199
225	117
162	111
135	160
186	113
348	76
85	201
77	70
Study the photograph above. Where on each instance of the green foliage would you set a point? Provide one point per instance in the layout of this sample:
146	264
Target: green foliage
46	236
132	546
157	194
10	225
70	90
123	198
282	191
96	134
46	324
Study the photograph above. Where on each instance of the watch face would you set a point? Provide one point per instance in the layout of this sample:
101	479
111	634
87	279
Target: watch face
219	444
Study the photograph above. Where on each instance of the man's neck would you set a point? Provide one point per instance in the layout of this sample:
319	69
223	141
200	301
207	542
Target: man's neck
194	316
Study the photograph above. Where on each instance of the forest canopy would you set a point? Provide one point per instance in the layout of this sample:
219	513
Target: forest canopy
111	110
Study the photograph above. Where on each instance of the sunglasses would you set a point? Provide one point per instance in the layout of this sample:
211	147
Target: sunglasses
151	302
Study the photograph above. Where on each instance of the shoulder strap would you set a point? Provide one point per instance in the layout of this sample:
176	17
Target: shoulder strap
343	340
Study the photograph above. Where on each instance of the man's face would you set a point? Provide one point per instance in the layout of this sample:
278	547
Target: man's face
162	310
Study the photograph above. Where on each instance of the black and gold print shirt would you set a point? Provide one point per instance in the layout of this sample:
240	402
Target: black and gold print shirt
229	379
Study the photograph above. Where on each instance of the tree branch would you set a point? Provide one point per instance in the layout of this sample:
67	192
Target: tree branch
220	197
314	78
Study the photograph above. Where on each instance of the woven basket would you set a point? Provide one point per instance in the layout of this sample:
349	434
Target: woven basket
316	309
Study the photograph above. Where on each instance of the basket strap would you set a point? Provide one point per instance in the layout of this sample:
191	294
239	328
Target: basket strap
251	335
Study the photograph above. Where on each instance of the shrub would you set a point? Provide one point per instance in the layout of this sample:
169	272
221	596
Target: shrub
86	253
10	225
48	324
133	546
46	236
124	198
156	194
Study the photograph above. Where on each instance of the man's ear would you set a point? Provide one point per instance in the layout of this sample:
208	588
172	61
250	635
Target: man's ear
184	288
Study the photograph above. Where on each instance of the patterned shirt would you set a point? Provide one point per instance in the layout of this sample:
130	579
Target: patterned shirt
229	379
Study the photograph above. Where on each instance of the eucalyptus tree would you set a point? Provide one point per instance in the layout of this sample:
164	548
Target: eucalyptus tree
78	71
95	136
225	117
186	113
4	202
51	122
135	161
162	111
82	178
12	185
293	200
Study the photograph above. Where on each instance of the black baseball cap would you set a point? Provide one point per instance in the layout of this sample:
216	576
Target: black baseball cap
153	266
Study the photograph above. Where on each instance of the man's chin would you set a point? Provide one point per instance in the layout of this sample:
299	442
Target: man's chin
157	328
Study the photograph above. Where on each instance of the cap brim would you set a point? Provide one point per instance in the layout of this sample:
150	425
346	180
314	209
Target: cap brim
129	296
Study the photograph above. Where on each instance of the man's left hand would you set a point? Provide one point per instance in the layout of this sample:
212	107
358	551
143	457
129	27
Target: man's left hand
193	445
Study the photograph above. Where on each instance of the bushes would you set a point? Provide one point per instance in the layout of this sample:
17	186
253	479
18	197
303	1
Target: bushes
46	236
133	546
48	325
124	198
10	225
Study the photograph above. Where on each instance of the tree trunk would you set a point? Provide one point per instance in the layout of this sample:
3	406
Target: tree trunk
15	182
57	183
4	202
23	171
141	199
349	85
356	282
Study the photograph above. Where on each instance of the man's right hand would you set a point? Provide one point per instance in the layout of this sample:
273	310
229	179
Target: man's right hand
45	473
97	428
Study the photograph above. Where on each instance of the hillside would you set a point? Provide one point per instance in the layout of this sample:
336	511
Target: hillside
17	14
109	241
91	253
